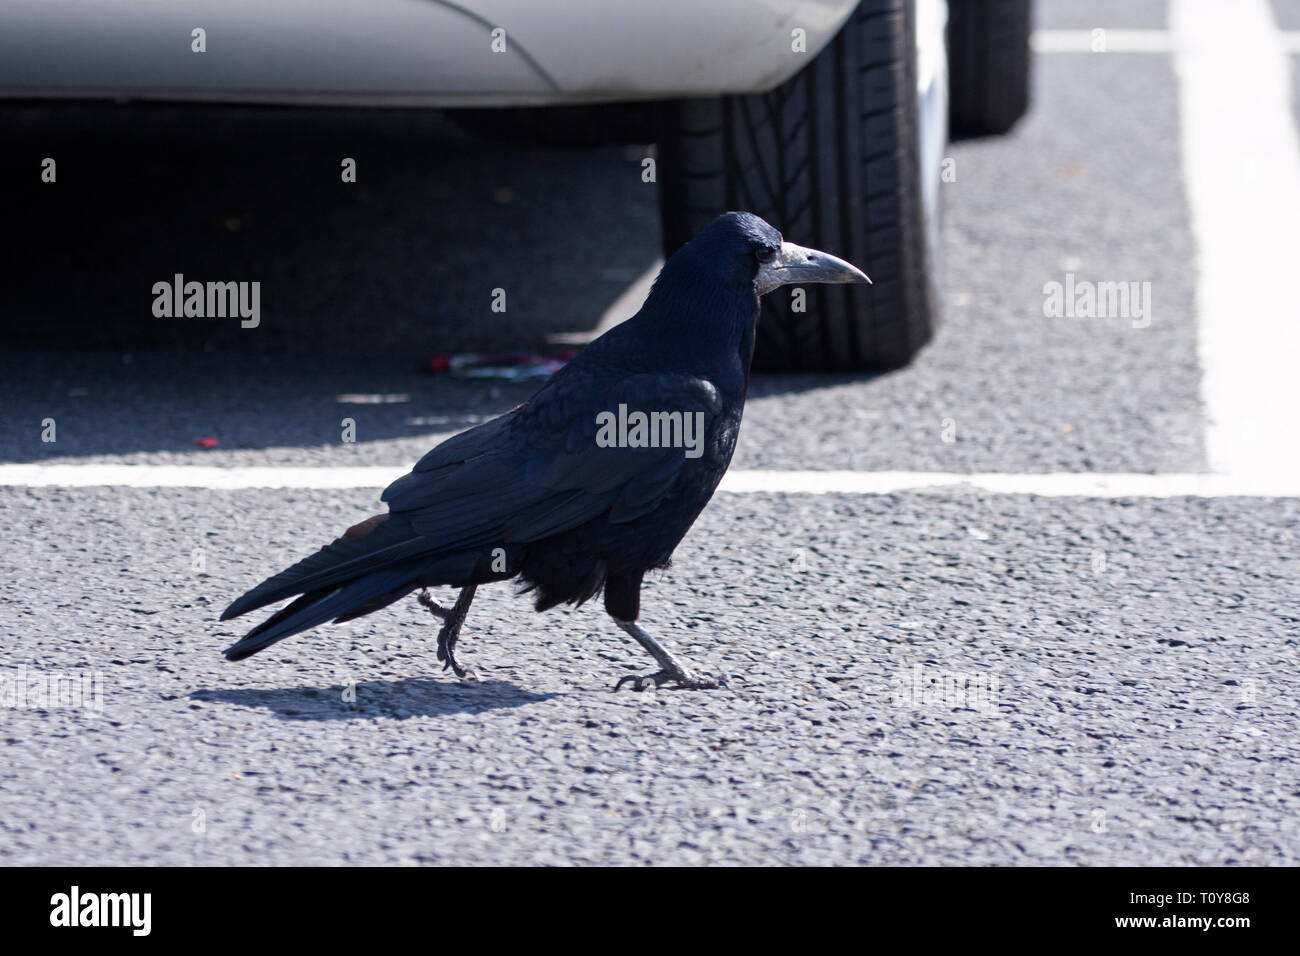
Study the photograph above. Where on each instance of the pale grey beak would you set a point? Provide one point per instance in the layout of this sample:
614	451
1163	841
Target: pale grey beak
795	264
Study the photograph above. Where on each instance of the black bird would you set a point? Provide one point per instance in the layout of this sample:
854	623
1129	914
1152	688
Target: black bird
572	492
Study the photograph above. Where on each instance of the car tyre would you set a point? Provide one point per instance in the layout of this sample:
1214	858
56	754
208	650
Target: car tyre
989	61
845	156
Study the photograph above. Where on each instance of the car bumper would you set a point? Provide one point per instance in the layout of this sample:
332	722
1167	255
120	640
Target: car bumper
408	52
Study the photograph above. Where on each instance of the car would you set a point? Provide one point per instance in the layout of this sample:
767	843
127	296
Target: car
827	118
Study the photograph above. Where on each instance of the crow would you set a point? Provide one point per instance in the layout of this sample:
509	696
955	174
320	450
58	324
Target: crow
586	486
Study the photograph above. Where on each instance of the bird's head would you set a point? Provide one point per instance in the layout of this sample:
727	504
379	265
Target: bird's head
708	292
746	251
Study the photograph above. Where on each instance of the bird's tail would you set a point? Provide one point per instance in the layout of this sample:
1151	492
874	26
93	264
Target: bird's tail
373	545
372	565
352	599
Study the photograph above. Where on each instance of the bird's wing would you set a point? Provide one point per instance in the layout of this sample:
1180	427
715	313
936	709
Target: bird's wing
542	471
531	473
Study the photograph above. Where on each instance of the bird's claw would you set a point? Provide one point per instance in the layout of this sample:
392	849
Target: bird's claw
449	660
687	680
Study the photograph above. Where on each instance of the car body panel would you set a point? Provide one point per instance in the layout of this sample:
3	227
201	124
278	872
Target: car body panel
408	52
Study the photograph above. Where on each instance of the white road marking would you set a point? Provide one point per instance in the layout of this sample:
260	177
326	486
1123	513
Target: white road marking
1241	164
737	482
1091	41
1050	484
196	476
1127	41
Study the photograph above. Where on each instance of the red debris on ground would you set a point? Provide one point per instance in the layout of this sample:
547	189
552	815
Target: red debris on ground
517	366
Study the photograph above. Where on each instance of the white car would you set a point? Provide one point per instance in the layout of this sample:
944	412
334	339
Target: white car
828	118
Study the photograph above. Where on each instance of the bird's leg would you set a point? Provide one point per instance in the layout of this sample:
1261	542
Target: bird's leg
452	620
670	669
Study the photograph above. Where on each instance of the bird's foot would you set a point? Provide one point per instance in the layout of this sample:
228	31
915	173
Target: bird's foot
685	679
448	659
433	606
449	633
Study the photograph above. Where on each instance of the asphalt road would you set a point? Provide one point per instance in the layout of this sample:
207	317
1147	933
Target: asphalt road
1121	674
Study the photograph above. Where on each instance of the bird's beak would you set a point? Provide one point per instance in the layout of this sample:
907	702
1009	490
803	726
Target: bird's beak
794	264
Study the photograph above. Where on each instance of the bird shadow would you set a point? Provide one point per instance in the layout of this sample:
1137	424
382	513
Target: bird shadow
396	699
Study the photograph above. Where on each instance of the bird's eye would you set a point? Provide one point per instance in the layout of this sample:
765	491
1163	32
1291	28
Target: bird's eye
765	254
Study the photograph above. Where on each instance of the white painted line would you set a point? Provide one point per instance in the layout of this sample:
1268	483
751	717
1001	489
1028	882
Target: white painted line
1126	41
1241	164
1052	485
736	482
1101	40
195	476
